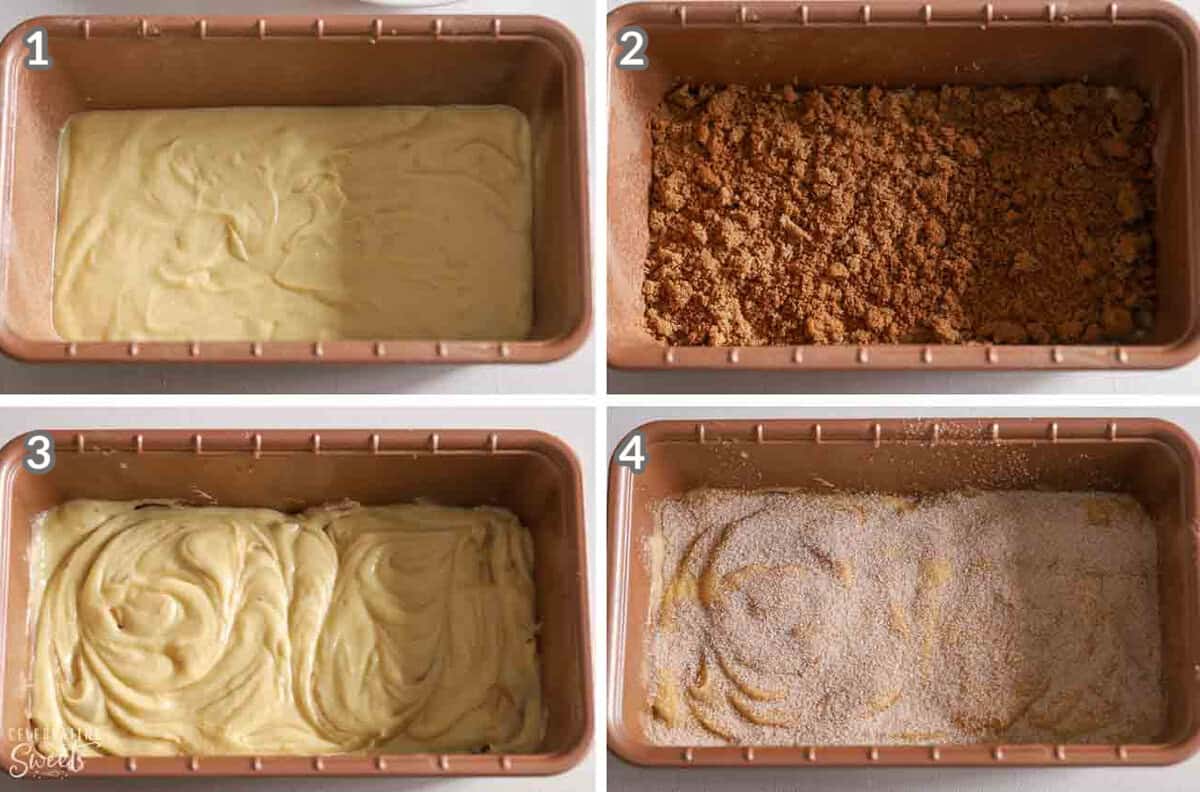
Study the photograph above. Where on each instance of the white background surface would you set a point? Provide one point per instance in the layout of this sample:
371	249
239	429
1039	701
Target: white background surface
628	778
575	374
1181	381
574	426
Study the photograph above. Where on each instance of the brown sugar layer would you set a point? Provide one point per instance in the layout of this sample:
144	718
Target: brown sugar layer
869	215
822	619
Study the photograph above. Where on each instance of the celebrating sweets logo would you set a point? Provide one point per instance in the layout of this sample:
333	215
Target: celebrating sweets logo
26	760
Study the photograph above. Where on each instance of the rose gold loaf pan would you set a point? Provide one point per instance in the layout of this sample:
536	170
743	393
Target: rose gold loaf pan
162	62
532	474
1154	461
1149	45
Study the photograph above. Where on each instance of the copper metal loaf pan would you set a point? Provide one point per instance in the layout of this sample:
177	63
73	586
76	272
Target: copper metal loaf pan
530	473
1153	460
1145	44
98	62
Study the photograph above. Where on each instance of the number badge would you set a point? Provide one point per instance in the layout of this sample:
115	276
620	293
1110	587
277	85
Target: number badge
634	41
38	59
632	454
39	453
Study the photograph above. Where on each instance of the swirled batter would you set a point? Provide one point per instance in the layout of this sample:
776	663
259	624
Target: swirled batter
802	619
167	629
295	224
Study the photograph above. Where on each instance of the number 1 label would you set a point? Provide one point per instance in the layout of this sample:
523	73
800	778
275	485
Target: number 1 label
37	59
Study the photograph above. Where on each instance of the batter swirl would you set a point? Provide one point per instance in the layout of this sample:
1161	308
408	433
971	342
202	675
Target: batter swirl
167	629
295	224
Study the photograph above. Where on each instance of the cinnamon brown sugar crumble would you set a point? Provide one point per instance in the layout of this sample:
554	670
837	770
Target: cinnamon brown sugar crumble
800	618
871	215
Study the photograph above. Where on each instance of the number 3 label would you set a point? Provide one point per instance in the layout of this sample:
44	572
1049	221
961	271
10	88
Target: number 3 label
632	453
39	453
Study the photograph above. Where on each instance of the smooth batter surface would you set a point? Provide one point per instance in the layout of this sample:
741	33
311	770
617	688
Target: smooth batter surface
295	224
166	629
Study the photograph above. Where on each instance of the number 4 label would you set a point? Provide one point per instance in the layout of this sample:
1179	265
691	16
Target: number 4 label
633	41
38	58
632	453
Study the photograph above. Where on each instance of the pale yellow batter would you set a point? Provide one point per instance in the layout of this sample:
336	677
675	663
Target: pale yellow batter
166	629
295	224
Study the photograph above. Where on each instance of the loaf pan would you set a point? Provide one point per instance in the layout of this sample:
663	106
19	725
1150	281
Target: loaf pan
1144	44
1153	460
100	62
530	473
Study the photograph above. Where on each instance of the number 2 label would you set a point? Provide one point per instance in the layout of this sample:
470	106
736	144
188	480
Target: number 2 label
635	41
632	453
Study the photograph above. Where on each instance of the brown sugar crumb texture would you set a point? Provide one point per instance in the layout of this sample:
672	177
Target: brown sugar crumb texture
822	619
870	215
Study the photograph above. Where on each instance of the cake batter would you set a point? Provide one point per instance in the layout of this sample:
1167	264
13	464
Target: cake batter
296	224
168	629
